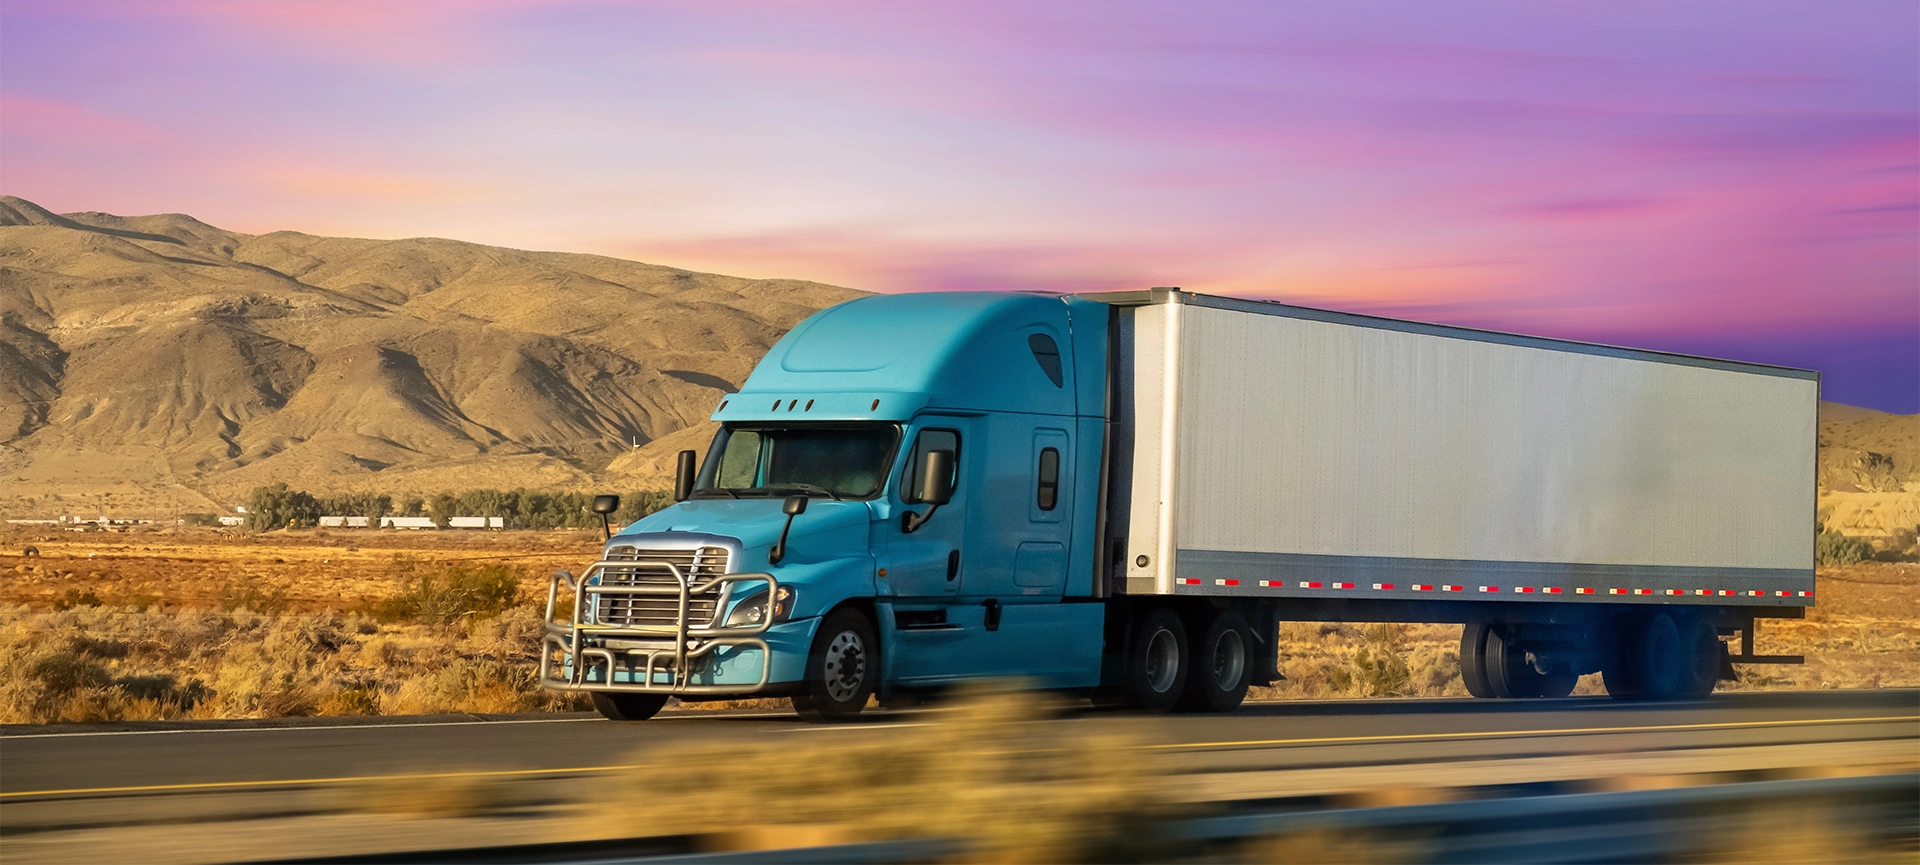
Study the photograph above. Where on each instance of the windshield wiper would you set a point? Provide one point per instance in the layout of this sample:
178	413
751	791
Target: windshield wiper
805	488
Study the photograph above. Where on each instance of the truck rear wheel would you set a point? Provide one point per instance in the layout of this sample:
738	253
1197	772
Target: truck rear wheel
627	707
1157	661
842	668
1217	678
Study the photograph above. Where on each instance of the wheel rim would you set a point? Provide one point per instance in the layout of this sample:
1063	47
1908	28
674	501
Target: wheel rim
846	666
1163	661
1229	660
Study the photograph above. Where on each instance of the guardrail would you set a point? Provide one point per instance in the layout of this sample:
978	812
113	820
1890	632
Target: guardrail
1630	826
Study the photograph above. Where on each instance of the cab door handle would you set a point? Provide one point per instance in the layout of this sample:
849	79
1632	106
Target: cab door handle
953	565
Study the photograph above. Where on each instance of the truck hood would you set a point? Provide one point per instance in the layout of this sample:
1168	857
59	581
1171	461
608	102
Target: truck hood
828	529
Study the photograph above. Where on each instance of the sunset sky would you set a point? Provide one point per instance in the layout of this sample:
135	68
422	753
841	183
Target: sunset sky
1739	179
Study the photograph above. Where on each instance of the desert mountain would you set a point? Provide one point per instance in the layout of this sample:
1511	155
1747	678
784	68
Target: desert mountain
154	363
1869	471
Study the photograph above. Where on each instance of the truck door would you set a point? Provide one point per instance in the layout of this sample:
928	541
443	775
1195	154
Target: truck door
928	563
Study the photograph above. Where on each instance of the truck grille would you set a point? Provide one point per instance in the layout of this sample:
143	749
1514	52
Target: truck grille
663	609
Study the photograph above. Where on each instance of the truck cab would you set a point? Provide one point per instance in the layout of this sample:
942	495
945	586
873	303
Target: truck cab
816	493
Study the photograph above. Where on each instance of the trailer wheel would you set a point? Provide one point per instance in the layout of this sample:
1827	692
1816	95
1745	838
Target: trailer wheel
1157	661
627	707
842	668
1217	679
1703	650
1650	661
1473	669
1511	673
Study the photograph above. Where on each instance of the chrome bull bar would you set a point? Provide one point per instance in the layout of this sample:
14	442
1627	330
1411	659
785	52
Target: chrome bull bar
663	648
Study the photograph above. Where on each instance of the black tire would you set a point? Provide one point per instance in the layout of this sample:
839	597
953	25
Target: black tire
842	668
1222	666
1650	661
1511	673
1700	667
1473	670
627	707
1157	662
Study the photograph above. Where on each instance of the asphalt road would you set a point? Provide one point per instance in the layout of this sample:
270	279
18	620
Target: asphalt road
39	764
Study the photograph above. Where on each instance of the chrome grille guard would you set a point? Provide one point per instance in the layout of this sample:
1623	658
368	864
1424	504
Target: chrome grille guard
668	648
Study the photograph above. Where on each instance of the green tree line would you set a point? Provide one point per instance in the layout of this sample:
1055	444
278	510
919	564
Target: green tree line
278	506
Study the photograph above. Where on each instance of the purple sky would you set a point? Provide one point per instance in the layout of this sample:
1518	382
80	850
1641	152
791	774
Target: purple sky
1739	179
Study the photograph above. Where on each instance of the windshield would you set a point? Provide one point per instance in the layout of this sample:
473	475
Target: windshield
840	461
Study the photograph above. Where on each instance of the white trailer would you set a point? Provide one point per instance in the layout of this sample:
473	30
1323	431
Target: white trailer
1580	507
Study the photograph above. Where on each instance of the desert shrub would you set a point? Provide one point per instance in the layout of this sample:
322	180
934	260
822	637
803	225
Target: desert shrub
278	507
1834	548
457	593
76	598
200	519
250	597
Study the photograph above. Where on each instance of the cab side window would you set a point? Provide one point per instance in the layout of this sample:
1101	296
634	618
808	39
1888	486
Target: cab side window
929	440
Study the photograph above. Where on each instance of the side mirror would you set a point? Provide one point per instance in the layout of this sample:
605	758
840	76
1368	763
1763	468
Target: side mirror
683	477
792	507
936	478
604	506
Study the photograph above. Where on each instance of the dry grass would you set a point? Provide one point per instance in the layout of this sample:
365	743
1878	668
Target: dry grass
139	635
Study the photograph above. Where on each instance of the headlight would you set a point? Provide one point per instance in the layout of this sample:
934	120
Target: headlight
753	610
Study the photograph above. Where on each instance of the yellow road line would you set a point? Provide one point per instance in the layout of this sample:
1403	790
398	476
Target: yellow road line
508	773
302	782
1500	734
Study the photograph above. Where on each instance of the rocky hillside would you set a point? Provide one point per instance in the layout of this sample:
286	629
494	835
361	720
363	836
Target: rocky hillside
156	363
1869	472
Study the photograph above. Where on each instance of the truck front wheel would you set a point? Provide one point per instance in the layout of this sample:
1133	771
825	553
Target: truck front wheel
628	707
842	668
1157	661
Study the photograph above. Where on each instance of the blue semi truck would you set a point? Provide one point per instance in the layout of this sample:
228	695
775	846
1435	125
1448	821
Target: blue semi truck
1122	495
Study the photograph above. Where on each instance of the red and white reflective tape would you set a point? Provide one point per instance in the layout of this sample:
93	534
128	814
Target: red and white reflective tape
1490	588
1453	588
1583	591
1676	592
1643	591
1806	594
1343	585
1726	593
1272	584
1188	581
1524	590
1384	587
1756	593
1783	594
1226	582
1306	584
1616	591
1552	590
1422	587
